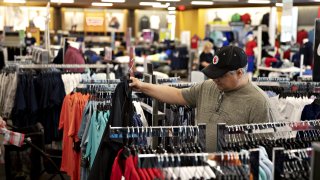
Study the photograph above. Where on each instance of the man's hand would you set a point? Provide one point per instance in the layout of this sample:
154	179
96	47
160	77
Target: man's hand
136	84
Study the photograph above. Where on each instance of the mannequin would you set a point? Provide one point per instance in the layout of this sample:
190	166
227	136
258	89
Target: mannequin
250	46
29	40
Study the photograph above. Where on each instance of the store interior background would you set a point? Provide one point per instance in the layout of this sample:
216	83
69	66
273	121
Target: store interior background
178	21
175	20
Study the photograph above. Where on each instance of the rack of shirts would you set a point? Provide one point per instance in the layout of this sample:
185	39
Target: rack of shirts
183	132
168	80
193	165
40	56
290	135
291	164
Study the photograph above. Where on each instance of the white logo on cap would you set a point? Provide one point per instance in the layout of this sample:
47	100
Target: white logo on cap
215	60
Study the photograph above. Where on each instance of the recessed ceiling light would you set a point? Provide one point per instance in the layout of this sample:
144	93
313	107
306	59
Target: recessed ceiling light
101	4
62	1
161	5
114	1
258	2
225	0
149	3
201	2
171	8
14	1
169	0
279	4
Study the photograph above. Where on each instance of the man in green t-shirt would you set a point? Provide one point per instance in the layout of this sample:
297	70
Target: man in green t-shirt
228	97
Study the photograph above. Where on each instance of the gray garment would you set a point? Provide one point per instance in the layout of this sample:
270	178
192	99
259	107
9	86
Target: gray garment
7	93
10	96
248	104
85	123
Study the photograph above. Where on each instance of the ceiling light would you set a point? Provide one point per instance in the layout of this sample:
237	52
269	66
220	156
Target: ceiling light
258	2
101	4
161	5
149	3
169	0
201	2
225	0
14	1
279	4
114	1
171	8
62	1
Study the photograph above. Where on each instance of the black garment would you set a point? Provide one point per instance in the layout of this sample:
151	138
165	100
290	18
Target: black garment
59	58
265	19
179	58
307	51
144	23
39	98
29	41
205	57
2	64
121	115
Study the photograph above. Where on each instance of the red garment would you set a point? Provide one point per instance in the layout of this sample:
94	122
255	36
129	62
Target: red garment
73	56
150	173
70	119
145	172
286	54
302	34
246	18
194	42
158	173
269	60
249	47
139	170
124	167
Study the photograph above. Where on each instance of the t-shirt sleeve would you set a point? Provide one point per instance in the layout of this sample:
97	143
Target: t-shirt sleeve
191	94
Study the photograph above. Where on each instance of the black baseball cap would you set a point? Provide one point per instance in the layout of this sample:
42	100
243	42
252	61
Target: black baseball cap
227	58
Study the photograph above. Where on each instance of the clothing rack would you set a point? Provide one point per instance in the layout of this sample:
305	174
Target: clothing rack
168	80
181	84
200	159
108	81
159	131
278	159
223	129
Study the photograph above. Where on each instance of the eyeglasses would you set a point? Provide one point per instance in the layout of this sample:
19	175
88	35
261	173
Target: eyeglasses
220	99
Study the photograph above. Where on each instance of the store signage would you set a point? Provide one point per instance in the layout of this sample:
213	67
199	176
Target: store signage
94	21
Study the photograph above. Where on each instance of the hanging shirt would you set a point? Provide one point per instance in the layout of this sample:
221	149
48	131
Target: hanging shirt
96	129
124	167
120	116
70	120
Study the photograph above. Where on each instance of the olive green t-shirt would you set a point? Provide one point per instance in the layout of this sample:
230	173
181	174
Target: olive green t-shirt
248	104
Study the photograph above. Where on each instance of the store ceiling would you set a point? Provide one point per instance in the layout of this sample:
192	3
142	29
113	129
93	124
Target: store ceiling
133	4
